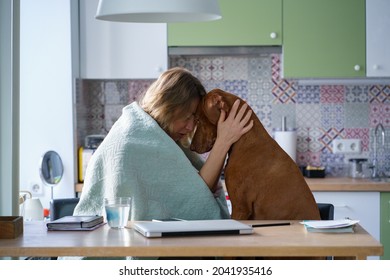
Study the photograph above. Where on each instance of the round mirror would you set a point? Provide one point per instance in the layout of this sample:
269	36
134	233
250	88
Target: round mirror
51	168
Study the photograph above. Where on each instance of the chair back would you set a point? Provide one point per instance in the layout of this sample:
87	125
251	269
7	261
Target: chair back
62	207
326	211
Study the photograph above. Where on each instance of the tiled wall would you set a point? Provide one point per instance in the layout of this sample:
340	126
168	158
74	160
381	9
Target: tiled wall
319	113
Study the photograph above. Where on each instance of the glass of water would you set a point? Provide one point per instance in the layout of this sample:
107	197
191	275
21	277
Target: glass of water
117	211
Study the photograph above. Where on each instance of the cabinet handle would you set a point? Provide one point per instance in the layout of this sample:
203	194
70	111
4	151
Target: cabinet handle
273	35
357	67
375	66
341	206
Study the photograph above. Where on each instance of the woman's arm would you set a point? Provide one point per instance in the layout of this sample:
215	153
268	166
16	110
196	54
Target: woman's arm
229	131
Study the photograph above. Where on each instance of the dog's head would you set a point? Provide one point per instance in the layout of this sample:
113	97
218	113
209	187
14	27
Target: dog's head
207	113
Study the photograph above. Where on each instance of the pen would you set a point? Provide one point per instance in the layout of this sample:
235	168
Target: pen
271	225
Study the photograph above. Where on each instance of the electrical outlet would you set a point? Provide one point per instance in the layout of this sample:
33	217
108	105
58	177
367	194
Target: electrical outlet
346	146
36	189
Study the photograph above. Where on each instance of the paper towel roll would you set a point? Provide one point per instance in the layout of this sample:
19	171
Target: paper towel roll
287	140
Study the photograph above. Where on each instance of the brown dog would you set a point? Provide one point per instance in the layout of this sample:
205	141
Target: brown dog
263	182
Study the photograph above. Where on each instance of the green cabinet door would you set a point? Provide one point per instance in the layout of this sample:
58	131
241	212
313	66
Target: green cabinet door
243	23
324	38
385	224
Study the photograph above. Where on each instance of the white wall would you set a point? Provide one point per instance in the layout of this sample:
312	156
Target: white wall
46	93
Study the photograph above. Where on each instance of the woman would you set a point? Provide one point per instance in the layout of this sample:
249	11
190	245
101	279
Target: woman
144	156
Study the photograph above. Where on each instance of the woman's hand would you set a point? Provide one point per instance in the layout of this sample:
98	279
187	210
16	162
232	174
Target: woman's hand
230	129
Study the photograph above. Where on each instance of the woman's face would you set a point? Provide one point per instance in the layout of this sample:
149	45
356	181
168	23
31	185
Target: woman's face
184	124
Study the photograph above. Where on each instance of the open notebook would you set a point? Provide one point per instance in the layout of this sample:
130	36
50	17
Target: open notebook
195	227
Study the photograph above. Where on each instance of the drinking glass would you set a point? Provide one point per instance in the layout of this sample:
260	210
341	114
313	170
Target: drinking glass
117	211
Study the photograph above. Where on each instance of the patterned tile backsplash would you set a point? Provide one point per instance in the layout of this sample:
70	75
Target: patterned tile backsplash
319	113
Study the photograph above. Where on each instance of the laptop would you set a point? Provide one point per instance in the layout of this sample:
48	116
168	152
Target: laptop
191	228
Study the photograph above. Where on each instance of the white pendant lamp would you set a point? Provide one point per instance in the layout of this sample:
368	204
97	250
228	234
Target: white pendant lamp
158	11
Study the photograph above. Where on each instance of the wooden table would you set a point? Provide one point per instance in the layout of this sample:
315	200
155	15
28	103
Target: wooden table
285	241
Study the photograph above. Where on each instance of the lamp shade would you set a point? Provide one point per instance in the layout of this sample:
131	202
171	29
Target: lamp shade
158	11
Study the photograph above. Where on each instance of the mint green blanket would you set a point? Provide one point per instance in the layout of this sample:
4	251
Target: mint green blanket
138	159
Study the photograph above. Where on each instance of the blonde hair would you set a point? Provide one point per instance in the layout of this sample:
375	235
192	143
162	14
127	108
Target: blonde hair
173	91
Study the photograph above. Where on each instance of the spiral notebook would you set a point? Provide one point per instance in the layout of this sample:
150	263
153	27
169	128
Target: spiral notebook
191	228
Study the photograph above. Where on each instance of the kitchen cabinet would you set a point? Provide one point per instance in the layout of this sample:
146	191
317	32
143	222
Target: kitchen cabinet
243	23
362	206
324	39
385	224
378	41
118	50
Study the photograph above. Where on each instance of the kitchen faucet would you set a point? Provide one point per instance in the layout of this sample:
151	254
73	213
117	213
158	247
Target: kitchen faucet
375	173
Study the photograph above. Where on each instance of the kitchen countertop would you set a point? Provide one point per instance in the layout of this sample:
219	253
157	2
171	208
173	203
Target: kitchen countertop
338	184
347	184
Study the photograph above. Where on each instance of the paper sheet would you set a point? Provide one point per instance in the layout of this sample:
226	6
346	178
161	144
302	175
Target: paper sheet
330	223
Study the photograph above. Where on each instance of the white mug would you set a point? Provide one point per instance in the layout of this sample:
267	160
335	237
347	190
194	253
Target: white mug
33	209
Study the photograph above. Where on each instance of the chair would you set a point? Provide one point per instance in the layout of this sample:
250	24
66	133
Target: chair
59	208
62	207
326	211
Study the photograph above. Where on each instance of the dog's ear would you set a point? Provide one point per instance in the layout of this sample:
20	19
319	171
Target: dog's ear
212	106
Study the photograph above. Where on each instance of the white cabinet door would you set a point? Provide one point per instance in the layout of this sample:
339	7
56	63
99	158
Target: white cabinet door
362	206
378	40
119	50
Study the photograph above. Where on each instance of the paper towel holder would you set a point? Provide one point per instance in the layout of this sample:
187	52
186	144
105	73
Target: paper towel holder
284	123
